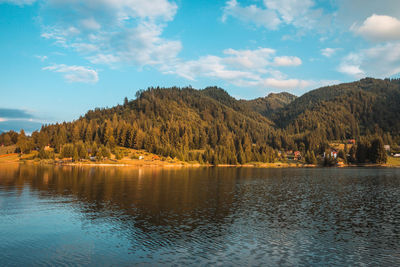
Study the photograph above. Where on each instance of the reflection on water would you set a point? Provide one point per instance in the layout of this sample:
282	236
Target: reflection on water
198	216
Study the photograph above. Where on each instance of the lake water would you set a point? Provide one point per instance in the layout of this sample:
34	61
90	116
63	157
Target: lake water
103	216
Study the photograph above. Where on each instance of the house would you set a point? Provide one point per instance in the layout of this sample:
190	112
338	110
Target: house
386	147
396	155
141	157
333	154
297	155
351	141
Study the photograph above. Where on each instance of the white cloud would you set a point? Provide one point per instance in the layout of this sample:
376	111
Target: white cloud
328	52
287	61
351	65
75	73
285	84
379	28
290	10
155	9
234	64
353	70
112	31
248	59
143	46
258	16
299	13
245	68
379	61
208	66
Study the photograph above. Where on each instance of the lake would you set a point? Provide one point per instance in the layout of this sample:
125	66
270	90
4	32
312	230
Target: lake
102	216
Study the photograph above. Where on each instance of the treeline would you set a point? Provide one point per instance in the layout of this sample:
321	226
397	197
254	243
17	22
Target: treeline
368	151
209	126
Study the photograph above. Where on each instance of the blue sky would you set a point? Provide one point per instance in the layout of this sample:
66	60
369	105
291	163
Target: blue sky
61	58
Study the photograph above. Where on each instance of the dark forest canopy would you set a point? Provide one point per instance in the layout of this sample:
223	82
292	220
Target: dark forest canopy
211	126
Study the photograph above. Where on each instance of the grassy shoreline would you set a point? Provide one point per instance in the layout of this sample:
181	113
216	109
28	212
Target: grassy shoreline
143	164
151	160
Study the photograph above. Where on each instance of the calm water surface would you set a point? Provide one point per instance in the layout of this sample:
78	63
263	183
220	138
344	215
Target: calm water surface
103	216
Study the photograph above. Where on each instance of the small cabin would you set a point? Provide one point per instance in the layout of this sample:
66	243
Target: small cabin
333	154
351	141
297	155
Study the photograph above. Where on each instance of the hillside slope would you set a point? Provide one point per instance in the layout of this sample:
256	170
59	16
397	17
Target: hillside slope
185	123
345	110
211	126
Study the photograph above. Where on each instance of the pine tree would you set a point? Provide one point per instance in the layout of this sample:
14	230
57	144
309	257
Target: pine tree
75	155
378	153
88	134
362	152
22	143
352	154
75	137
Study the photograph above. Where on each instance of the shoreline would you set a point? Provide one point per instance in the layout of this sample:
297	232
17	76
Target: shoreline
15	158
195	165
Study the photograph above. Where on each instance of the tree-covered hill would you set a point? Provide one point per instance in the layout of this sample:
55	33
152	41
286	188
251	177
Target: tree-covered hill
211	126
177	122
345	110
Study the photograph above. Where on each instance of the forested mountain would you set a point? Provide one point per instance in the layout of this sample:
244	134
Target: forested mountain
345	110
211	126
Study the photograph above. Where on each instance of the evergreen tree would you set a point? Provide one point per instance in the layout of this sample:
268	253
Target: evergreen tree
75	155
362	152
23	143
378	153
67	151
352	154
310	158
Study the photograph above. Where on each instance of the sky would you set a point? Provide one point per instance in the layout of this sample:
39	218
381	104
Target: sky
61	58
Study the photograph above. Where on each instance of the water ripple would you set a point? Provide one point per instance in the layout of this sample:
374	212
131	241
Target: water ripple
213	216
